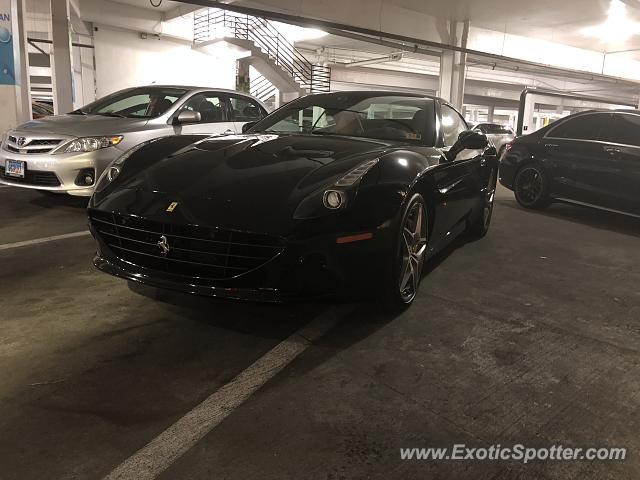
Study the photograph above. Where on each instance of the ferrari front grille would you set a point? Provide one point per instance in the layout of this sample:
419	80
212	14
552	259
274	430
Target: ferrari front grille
186	250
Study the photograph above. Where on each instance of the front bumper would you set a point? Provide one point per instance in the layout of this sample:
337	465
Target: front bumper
309	268
66	167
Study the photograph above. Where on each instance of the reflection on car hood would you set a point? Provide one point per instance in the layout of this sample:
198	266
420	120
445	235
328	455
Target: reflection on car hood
248	182
81	125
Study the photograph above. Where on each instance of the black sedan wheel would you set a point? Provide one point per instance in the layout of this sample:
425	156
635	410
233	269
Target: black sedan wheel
532	187
412	245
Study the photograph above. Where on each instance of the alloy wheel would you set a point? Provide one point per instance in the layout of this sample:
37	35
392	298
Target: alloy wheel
530	186
489	200
413	245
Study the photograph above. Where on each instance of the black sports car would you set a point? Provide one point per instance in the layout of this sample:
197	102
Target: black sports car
590	158
332	192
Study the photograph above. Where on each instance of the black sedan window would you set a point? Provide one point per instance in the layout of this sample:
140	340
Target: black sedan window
624	130
406	119
582	127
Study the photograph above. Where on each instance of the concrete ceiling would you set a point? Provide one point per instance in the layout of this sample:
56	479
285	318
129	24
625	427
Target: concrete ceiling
550	20
165	5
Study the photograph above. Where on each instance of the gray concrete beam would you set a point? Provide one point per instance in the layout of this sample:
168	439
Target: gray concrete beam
62	68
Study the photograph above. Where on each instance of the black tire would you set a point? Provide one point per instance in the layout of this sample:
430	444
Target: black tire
481	222
411	245
531	187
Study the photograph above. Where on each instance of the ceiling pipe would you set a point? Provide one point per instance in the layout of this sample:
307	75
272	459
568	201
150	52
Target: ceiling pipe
394	57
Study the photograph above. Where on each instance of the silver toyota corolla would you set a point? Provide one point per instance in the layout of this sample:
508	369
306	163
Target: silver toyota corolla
67	153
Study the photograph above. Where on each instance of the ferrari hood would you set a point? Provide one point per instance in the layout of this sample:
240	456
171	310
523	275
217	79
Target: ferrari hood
247	182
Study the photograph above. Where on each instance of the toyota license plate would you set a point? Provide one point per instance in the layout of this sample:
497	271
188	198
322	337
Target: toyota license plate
14	168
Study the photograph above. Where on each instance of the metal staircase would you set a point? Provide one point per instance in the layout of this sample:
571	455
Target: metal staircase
214	24
263	89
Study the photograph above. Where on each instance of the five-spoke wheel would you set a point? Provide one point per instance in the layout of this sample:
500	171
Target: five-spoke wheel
531	187
412	245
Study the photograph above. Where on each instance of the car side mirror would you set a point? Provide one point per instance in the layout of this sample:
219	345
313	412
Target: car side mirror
467	140
247	126
187	116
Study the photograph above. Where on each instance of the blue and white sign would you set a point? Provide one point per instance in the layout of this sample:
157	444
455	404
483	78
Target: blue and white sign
7	67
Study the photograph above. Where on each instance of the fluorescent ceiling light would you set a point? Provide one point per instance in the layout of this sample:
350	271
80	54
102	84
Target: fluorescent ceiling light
617	28
294	33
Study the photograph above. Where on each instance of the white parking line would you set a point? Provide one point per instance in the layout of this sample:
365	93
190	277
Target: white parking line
26	243
152	459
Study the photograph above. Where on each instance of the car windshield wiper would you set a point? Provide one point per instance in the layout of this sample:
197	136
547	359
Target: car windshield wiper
111	114
277	132
322	132
78	112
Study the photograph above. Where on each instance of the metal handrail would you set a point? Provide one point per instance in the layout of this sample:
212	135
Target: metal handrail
268	39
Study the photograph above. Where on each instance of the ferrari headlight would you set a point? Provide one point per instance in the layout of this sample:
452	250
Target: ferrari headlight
333	199
90	144
114	169
357	173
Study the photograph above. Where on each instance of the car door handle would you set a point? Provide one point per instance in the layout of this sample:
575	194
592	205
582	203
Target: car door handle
551	146
612	150
228	132
446	189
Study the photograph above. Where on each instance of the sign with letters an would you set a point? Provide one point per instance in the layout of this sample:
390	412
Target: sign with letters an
7	67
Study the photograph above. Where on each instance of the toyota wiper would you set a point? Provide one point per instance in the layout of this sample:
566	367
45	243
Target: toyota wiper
111	114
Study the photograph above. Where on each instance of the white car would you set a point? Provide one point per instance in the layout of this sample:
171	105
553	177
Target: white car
498	135
67	153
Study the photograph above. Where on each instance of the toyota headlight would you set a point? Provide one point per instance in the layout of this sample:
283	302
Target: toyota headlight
90	144
114	169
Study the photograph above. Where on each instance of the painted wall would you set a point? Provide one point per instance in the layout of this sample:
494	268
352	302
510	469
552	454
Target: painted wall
125	60
7	69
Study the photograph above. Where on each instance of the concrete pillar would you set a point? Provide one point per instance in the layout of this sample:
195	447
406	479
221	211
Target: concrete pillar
453	65
490	113
243	78
61	63
87	75
529	106
15	104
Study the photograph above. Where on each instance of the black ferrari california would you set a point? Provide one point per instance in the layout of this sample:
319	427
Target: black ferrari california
332	193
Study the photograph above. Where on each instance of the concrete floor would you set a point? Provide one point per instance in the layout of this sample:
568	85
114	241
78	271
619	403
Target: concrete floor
528	336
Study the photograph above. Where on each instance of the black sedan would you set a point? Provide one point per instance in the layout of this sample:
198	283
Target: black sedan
332	193
590	158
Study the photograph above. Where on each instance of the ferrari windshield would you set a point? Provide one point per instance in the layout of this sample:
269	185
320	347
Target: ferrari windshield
387	117
146	102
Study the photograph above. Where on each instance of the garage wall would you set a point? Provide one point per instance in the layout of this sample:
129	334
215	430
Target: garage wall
124	60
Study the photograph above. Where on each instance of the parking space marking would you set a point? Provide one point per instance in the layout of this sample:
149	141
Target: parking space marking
152	459
26	243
